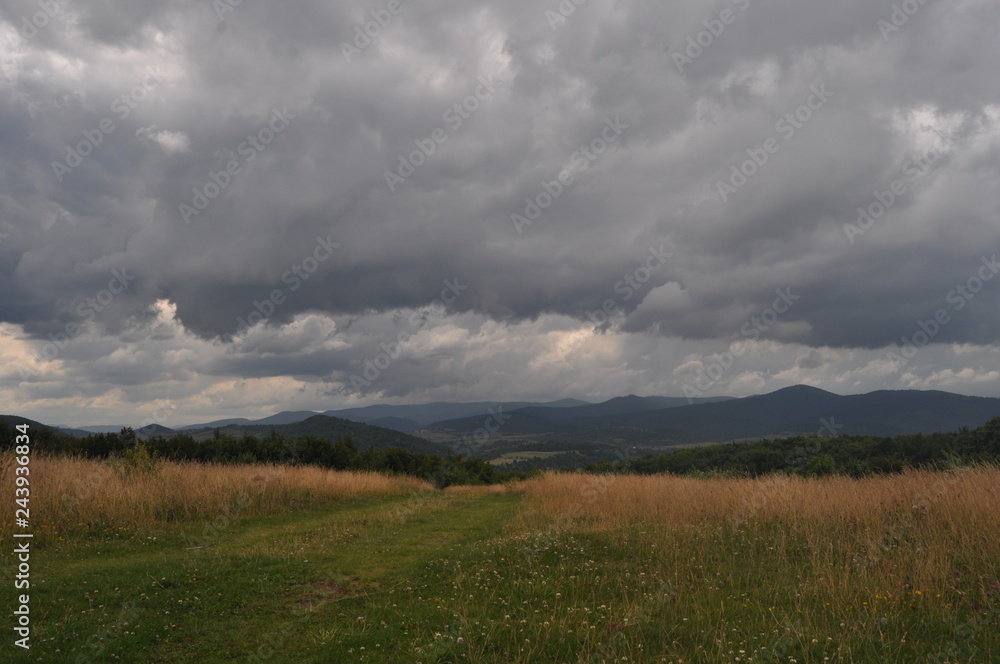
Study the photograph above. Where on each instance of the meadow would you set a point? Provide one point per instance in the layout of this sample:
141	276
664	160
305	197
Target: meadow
142	561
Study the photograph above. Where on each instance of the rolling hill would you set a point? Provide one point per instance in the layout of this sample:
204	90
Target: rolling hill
154	431
791	411
420	416
400	418
611	408
321	426
801	410
330	428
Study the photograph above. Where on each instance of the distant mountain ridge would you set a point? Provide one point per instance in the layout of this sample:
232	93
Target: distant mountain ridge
647	422
105	428
801	409
423	415
797	410
613	407
401	418
331	429
154	430
319	426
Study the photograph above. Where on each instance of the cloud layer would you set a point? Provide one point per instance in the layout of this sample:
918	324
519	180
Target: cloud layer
217	165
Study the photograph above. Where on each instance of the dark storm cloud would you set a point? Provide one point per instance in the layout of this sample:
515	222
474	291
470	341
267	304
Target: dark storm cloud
206	125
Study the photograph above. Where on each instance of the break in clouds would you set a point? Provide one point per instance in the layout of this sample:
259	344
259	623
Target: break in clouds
236	208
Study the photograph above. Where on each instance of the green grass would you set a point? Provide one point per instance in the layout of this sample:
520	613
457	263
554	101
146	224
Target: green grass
292	585
442	578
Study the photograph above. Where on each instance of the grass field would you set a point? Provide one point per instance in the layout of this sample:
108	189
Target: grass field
186	563
511	457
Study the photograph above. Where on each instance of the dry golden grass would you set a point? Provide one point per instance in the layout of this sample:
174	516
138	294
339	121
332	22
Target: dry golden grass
912	530
69	493
967	497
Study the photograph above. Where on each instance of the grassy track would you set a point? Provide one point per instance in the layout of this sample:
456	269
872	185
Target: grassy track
275	589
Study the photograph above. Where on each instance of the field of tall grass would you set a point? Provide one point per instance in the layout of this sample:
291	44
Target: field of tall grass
902	568
72	495
316	566
965	500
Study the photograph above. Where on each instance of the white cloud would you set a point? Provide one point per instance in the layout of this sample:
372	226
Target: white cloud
172	142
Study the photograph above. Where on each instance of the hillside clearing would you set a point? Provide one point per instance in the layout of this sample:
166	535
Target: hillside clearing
564	568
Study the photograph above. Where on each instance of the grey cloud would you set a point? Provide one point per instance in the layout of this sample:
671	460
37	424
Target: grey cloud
932	83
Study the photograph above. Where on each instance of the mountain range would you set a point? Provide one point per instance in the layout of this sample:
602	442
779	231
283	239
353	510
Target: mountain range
400	418
798	410
503	429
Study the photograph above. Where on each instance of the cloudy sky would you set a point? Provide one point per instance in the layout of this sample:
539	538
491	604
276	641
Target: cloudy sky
220	209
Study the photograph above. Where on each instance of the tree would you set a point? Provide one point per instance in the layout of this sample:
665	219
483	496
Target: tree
127	436
820	466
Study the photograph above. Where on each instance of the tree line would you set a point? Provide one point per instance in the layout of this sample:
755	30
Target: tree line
854	455
341	454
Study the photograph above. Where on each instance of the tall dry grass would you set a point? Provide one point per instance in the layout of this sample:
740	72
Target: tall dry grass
916	530
70	494
969	497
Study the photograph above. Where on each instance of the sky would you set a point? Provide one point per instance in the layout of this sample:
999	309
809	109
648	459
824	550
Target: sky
224	208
